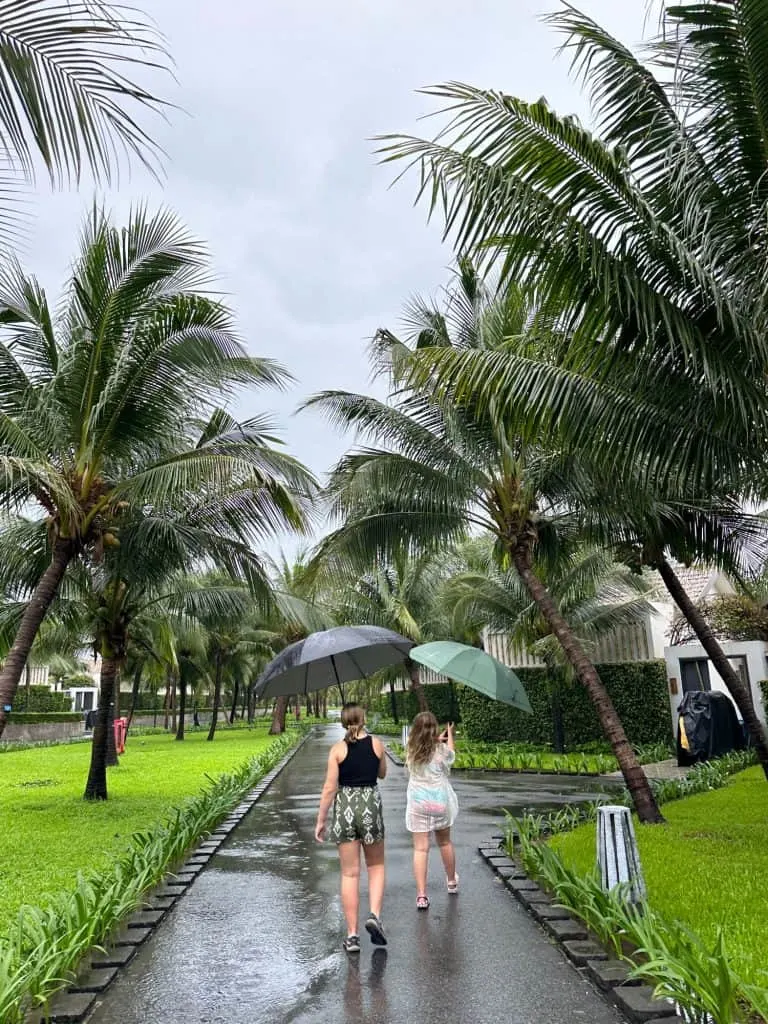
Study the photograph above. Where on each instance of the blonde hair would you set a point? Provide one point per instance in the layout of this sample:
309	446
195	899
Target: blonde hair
422	739
353	720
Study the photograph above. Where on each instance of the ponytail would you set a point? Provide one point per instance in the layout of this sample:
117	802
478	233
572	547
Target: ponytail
353	720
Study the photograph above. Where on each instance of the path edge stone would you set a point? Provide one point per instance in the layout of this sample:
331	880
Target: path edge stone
136	928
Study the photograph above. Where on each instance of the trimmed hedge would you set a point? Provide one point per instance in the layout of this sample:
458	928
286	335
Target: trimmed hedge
41	699
638	690
443	701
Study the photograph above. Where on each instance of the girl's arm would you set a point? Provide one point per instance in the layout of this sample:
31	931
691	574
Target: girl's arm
330	786
378	749
449	741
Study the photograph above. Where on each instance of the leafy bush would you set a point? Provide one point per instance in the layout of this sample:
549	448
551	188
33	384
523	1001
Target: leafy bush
763	684
46	945
638	690
40	699
443	701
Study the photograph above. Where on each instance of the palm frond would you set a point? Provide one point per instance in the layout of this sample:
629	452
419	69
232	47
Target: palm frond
70	93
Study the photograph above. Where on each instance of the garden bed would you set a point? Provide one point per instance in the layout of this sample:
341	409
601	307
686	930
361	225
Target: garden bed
706	868
522	758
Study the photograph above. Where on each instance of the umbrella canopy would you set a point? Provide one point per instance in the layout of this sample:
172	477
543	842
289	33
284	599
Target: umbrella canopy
475	668
330	657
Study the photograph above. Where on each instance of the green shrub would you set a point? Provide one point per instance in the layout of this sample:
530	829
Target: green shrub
638	690
40	699
443	699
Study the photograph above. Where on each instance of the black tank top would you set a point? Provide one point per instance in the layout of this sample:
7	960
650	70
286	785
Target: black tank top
361	765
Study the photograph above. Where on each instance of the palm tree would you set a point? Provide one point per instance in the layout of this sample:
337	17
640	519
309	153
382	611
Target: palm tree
68	96
644	239
595	595
399	594
110	406
300	608
644	244
440	470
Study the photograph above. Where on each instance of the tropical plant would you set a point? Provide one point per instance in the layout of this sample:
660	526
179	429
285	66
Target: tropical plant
301	606
109	407
68	98
439	470
642	242
399	594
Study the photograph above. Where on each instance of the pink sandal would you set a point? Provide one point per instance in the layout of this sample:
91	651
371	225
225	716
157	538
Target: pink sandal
422	902
453	886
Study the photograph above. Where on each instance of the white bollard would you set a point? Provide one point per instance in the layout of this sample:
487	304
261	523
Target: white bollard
617	855
406	729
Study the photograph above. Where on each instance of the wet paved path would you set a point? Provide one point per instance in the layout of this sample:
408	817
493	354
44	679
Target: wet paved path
256	940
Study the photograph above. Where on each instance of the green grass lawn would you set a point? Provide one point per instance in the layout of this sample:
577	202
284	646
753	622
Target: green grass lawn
48	832
708	866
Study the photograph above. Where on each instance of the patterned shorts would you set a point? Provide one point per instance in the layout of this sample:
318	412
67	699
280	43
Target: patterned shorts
357	815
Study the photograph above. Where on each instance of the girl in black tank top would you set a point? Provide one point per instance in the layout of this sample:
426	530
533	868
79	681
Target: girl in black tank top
361	765
352	795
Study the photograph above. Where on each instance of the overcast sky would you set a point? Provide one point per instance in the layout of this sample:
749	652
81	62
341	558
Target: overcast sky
273	166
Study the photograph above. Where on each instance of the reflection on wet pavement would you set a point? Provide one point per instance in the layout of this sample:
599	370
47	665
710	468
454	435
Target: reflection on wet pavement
257	938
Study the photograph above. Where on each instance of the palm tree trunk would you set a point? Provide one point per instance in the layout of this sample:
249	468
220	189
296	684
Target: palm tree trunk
558	726
96	786
216	697
63	552
278	717
27	683
182	704
418	689
740	693
167	702
634	776
134	695
393	701
112	760
235	695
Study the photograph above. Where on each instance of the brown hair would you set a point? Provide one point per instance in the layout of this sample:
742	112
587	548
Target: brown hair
353	720
422	739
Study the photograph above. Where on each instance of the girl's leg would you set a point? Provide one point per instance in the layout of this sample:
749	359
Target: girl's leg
374	863
447	852
349	855
420	860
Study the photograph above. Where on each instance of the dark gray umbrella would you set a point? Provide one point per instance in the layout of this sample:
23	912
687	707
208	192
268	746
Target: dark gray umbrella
331	657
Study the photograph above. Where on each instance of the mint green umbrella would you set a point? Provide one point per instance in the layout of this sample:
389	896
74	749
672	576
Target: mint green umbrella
475	668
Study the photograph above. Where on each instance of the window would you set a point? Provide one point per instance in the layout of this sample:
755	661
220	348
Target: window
694	674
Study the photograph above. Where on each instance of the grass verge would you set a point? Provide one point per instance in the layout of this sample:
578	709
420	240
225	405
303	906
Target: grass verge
706	867
49	832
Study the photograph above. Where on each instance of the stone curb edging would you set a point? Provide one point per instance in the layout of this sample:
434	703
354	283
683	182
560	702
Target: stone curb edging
609	976
99	969
393	757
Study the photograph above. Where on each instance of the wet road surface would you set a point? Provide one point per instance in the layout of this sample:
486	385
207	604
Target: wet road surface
257	937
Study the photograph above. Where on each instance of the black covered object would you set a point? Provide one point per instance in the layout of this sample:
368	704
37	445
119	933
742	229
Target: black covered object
708	720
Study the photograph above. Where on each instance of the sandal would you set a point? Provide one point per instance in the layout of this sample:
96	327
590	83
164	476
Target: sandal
453	886
422	902
351	944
